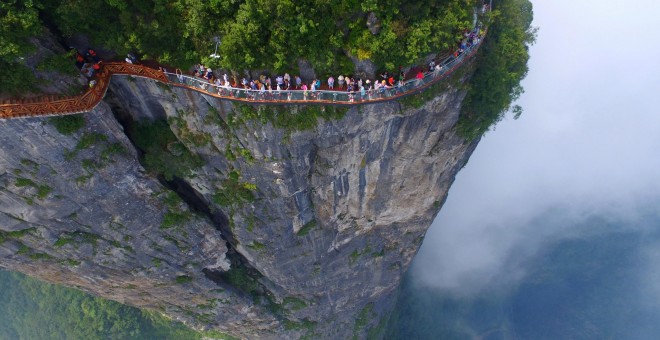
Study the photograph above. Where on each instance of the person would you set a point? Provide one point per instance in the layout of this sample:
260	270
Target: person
431	65
340	79
304	88
419	77
298	82
132	58
385	75
369	89
245	83
287	77
362	92
227	88
390	80
96	67
128	60
280	81
348	83
80	61
226	78
436	70
92	83
331	82
91	55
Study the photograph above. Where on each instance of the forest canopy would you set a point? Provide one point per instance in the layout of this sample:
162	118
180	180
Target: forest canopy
30	309
253	34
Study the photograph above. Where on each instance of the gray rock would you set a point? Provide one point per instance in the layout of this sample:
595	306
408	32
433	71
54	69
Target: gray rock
338	212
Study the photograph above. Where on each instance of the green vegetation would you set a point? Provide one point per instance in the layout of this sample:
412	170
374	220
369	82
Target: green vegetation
366	314
173	219
306	228
42	189
241	279
5	235
89	139
40	256
61	63
501	65
23	182
305	324
77	238
177	215
69	124
352	258
255	34
183	279
30	309
19	20
256	246
164	154
233	191
290	119
197	139
294	303
156	262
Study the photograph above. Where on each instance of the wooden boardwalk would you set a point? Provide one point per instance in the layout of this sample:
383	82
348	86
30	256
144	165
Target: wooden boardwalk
59	105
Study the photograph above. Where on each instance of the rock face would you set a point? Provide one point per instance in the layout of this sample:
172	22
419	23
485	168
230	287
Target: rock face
281	233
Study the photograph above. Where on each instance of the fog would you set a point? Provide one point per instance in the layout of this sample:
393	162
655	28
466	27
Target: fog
587	146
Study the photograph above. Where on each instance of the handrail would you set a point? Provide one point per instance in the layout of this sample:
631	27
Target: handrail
321	96
48	106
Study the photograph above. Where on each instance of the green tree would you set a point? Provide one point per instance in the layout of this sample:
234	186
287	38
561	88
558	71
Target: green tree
19	20
501	65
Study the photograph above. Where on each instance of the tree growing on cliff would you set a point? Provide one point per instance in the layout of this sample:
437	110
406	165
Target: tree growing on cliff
19	20
501	65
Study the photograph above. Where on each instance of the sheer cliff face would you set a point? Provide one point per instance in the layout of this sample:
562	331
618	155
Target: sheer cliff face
293	233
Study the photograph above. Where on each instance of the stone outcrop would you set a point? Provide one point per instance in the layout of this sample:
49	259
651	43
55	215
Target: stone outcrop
281	233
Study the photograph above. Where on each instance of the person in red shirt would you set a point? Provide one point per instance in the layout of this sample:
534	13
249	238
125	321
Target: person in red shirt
419	77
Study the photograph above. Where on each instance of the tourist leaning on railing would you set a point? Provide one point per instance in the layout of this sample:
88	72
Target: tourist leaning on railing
364	90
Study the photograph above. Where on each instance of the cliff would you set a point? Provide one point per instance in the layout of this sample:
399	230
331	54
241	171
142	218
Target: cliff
285	222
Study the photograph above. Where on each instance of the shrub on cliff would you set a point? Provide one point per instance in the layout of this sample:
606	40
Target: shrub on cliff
164	154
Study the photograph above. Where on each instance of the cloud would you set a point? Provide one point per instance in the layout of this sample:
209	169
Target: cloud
586	146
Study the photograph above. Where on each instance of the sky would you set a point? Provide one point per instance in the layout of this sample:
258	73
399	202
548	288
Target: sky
587	144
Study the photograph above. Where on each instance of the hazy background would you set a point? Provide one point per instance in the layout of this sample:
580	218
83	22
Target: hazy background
562	204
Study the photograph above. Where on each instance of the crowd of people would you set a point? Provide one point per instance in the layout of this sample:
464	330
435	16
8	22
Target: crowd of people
357	88
267	87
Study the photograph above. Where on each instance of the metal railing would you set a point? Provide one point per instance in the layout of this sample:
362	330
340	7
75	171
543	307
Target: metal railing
410	86
50	105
